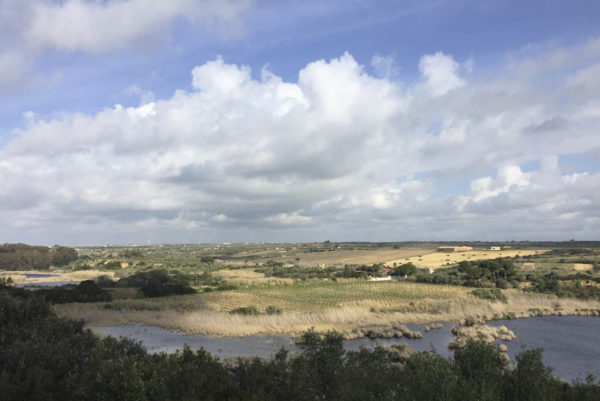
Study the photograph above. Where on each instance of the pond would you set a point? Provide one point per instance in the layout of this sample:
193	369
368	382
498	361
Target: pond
46	284
39	275
156	339
571	344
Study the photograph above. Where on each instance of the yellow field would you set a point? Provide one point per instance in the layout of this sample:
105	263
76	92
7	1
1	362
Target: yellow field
367	257
439	259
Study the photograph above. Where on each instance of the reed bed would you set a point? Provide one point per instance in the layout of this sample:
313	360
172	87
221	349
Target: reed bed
394	303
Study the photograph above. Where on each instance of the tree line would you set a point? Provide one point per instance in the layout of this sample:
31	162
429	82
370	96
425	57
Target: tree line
26	257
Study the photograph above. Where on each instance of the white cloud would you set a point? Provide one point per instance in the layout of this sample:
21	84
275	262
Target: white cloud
89	26
77	25
440	73
508	176
339	153
216	76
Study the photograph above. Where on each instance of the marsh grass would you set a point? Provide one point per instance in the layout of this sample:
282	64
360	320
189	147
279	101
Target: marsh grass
199	314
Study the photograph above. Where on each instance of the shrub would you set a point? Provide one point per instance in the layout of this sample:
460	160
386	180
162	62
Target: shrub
501	283
273	310
490	294
157	283
246	310
112	265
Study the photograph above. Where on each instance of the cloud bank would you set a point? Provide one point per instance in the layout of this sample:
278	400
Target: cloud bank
337	154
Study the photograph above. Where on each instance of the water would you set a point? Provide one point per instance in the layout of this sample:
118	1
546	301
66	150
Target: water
46	284
39	275
156	339
571	344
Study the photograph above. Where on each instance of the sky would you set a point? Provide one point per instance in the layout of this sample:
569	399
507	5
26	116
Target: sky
195	121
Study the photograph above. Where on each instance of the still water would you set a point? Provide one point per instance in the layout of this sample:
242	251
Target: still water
571	343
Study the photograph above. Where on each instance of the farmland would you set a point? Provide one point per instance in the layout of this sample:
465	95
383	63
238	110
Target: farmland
356	256
439	259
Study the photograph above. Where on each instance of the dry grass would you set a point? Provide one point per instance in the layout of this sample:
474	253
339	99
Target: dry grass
355	257
250	277
348	319
581	266
439	259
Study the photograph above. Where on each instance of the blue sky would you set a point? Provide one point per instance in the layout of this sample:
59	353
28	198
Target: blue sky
361	120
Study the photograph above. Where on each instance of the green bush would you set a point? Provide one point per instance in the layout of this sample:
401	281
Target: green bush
273	310
246	310
158	283
490	294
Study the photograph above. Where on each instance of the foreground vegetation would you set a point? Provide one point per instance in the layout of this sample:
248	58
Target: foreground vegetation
44	357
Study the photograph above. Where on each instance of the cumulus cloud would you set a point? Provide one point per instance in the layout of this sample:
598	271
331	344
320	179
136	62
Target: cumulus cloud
440	73
339	153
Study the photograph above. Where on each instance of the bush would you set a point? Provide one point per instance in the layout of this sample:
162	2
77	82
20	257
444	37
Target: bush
490	294
273	310
21	256
158	283
132	253
501	283
246	310
86	291
406	269
112	265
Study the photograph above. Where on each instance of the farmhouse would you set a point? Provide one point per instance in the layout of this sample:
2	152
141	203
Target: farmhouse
494	248
454	248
